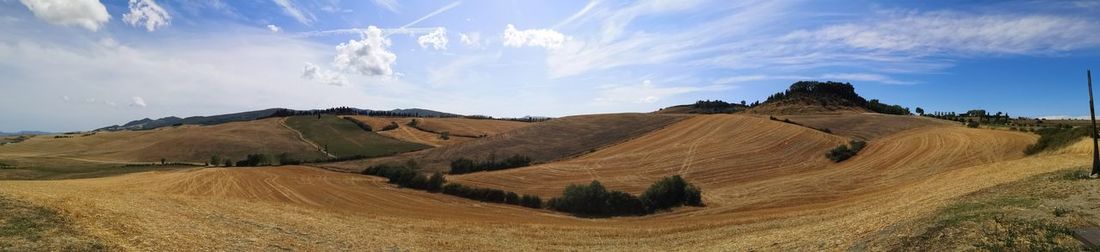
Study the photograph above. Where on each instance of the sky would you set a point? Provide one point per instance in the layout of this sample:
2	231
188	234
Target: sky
69	65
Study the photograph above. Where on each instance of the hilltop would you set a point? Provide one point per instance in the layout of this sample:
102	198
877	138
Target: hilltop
148	124
802	97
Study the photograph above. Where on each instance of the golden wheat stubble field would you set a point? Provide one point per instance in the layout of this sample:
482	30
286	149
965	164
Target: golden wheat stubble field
188	143
428	130
766	184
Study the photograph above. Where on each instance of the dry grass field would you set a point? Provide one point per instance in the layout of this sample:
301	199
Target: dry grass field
429	129
176	144
543	142
766	184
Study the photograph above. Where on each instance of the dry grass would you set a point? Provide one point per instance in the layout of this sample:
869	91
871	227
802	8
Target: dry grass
178	144
760	195
865	126
543	142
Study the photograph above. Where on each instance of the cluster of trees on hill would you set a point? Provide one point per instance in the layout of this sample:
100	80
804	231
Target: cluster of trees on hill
718	106
844	152
879	107
843	93
465	165
346	111
517	119
595	200
978	116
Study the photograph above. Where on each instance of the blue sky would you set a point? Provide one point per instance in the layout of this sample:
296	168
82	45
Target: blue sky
83	64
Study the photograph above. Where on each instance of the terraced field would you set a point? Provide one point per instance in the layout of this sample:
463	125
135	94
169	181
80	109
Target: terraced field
766	184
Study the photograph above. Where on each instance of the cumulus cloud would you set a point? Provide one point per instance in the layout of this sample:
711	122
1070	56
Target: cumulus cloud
137	102
472	39
437	39
368	56
147	13
89	14
273	28
544	38
292	10
312	72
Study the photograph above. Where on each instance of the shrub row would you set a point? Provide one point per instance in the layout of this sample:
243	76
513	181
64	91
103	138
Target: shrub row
407	177
595	200
844	152
464	165
492	195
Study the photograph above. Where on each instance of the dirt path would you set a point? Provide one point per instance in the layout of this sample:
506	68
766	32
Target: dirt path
303	138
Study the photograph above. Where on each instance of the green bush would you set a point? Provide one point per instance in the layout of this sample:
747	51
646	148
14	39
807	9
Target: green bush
844	152
595	200
671	192
465	165
407	176
255	160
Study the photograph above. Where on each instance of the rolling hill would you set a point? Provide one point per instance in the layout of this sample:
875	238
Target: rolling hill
343	139
542	142
766	185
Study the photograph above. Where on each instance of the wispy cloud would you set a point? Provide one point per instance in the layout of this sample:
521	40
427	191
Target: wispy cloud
291	9
390	5
432	14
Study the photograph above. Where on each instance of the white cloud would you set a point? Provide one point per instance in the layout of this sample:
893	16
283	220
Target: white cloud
956	32
292	10
89	14
850	77
368	56
437	39
312	72
472	39
147	13
646	92
390	5
273	28
544	38
137	101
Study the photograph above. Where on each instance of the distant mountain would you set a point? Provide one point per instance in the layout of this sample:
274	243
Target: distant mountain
147	124
24	132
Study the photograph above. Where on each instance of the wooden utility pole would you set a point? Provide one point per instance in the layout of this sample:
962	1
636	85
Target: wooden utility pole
1095	146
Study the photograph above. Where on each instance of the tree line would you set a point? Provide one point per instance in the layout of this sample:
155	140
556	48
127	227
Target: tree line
592	200
465	165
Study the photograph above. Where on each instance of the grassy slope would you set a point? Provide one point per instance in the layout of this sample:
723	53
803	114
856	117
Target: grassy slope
27	227
542	142
344	139
1035	214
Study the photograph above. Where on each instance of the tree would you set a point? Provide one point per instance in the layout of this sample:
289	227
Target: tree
920	111
435	183
215	160
163	161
